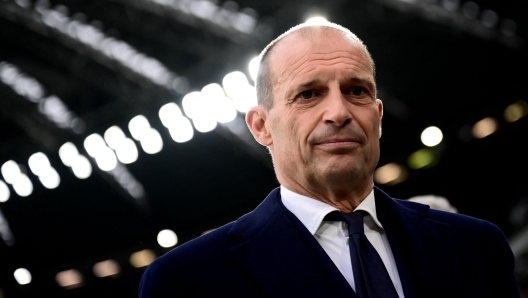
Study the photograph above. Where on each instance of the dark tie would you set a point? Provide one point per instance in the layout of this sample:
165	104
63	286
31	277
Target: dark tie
370	275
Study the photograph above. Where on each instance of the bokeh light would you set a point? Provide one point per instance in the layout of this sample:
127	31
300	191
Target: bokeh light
4	192
22	276
167	238
23	186
50	179
390	174
39	163
420	159
81	167
10	171
182	131
69	279
106	268
139	126
515	111
94	145
151	141
67	153
237	87
142	258
484	127
431	136
113	136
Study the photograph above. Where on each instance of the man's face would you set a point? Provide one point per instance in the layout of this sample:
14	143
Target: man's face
325	121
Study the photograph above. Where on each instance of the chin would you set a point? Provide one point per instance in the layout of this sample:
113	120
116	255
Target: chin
342	174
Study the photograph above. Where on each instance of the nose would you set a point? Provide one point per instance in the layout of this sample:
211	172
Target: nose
336	110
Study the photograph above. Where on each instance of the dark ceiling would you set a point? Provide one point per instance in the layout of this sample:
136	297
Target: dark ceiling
435	66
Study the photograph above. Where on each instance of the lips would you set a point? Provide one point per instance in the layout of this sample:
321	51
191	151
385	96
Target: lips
338	141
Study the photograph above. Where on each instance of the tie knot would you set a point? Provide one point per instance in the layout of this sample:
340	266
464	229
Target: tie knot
354	220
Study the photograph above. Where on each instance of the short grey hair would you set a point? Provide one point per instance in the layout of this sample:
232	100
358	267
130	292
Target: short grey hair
264	82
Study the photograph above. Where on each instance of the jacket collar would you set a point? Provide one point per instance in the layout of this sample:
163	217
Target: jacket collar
270	248
424	249
282	260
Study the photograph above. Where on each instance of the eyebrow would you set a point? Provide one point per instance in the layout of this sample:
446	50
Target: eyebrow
368	83
309	83
352	80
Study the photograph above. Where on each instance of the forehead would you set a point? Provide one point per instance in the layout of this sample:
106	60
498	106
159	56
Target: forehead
299	52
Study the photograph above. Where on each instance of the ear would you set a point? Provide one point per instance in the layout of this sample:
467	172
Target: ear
380	111
256	119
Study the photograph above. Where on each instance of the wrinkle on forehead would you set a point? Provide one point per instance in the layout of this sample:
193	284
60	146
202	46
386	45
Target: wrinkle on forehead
301	62
306	64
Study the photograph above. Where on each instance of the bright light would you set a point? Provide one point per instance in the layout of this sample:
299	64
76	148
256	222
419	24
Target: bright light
138	127
390	174
212	90
516	111
50	179
192	104
40	166
238	89
219	106
182	131
142	258
106	268
81	167
316	20
39	163
169	114
484	127
198	107
420	159
224	110
167	238
113	136
94	145
204	124
10	170
12	175
69	279
236	86
126	151
22	276
151	141
431	136
233	82
4	192
23	186
253	67
68	152
106	159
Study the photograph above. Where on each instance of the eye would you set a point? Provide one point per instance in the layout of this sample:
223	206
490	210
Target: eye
307	94
357	91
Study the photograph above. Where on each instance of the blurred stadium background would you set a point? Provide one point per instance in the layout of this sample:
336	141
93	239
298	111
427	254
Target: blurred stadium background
122	132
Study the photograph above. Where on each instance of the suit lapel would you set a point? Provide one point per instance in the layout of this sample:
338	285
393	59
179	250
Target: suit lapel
273	252
423	249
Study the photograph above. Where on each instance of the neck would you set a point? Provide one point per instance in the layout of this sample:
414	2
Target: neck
345	196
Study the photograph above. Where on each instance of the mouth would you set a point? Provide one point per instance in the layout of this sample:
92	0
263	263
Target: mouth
339	143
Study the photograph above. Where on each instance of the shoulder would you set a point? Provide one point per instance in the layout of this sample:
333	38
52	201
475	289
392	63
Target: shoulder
465	228
199	250
482	250
169	275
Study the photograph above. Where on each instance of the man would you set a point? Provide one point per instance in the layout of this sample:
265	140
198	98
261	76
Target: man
319	116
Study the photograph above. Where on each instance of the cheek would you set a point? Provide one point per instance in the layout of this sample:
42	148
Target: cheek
371	124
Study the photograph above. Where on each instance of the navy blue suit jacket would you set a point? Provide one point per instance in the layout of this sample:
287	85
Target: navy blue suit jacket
269	253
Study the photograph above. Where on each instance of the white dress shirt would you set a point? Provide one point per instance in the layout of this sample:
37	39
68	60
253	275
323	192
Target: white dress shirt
333	236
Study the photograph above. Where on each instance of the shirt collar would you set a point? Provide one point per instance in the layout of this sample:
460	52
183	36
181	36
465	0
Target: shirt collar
311	211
